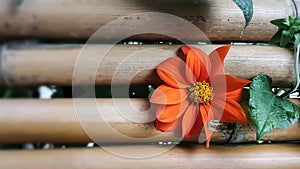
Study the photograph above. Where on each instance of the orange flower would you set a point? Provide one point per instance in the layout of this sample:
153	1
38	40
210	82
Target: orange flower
197	91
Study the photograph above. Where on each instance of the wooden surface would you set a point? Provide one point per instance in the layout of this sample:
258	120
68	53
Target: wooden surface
129	64
242	156
77	19
55	120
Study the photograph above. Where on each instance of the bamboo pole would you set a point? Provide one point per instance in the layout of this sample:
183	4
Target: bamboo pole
55	120
129	64
242	156
219	20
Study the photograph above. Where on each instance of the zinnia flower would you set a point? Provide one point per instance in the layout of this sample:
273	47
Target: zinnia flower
197	91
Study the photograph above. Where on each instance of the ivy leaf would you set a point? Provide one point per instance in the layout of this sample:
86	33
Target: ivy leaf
247	7
276	37
283	23
294	28
267	110
297	20
286	37
291	20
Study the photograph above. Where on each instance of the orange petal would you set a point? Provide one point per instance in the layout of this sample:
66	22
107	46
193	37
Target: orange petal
165	94
172	71
233	112
196	128
185	49
217	58
235	95
209	135
189	118
234	83
198	64
235	87
218	84
169	113
225	85
207	116
167	126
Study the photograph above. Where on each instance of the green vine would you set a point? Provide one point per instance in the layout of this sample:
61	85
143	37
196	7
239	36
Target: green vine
268	110
288	34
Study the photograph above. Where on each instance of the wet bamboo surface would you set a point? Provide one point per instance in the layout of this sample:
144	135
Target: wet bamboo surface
32	65
124	120
77	19
194	157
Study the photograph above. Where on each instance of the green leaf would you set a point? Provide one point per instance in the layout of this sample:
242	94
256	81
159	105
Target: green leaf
297	21
291	20
267	110
281	23
296	24
286	37
276	37
294	28
247	7
297	40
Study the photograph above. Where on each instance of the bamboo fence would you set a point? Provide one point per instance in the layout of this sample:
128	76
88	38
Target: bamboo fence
55	120
243	156
68	19
129	64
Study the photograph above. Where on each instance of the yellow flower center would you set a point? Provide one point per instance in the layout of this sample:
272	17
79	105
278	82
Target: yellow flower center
200	93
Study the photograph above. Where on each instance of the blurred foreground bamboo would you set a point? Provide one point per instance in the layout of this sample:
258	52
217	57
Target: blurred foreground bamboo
243	156
110	120
218	20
